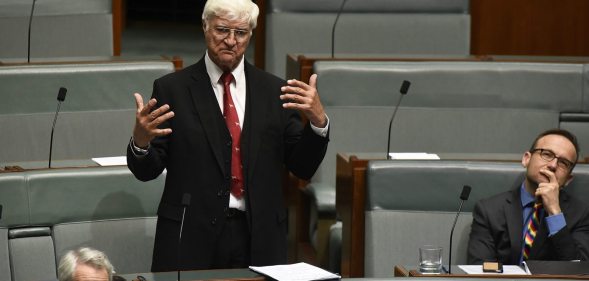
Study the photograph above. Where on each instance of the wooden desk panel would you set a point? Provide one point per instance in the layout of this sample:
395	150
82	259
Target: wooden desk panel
401	271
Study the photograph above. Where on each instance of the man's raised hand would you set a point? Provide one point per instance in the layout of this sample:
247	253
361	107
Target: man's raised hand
147	121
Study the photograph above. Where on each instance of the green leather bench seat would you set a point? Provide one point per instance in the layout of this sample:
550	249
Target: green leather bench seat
60	28
48	212
451	107
367	27
96	118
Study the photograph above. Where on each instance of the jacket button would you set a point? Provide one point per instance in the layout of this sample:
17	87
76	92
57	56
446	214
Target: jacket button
214	221
220	193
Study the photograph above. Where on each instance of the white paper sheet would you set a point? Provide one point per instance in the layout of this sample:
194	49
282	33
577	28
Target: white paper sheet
111	161
414	156
295	272
507	269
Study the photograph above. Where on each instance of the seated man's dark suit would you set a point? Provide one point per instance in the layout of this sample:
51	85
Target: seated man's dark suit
497	230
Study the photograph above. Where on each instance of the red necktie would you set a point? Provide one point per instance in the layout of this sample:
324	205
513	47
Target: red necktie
232	122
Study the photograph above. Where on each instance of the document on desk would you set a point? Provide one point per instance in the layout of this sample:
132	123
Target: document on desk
507	270
413	156
295	272
111	161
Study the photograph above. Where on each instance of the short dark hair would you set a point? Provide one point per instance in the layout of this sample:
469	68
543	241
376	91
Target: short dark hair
560	132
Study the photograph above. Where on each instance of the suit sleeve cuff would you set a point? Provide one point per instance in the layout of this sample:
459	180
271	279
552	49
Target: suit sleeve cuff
321	131
138	151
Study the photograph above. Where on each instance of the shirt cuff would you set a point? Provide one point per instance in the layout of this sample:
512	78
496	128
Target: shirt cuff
321	131
555	223
138	151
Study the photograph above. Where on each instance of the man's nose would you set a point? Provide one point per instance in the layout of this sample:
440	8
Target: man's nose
553	164
231	39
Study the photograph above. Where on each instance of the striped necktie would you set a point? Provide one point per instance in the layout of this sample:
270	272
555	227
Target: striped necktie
531	230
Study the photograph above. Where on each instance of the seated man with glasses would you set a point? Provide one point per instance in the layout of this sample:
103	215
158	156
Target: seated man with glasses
537	219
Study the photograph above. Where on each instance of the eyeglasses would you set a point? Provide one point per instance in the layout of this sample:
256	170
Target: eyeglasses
548	155
140	278
222	32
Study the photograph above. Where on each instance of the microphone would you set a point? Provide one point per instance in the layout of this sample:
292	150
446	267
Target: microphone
60	98
404	89
463	197
185	203
341	8
29	36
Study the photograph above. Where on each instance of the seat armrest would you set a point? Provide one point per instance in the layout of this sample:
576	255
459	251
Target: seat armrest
323	197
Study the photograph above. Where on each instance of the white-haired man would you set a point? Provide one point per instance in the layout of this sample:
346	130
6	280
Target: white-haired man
224	130
85	264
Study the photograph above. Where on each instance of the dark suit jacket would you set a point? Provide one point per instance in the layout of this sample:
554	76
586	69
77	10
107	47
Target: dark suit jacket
497	230
197	156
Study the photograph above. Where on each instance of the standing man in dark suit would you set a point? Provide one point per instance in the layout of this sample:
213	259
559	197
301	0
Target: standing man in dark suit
224	130
561	232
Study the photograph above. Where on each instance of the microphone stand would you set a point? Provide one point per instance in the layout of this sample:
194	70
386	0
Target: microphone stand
404	89
451	234
60	98
463	197
52	131
29	41
341	8
185	203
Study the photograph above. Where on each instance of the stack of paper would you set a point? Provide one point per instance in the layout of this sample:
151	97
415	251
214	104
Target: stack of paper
295	272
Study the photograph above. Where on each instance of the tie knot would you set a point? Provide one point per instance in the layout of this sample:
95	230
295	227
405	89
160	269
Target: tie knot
226	78
537	205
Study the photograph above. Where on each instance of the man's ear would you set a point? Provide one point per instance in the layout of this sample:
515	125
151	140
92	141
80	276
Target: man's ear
526	159
204	25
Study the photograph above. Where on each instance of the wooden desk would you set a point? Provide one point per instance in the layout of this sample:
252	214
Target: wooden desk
401	271
240	274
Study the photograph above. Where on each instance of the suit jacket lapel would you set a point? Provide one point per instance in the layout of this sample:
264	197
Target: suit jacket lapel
255	108
211	118
513	216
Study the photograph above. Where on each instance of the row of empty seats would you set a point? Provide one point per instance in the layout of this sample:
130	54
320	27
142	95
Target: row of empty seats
59	28
452	107
366	27
96	118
